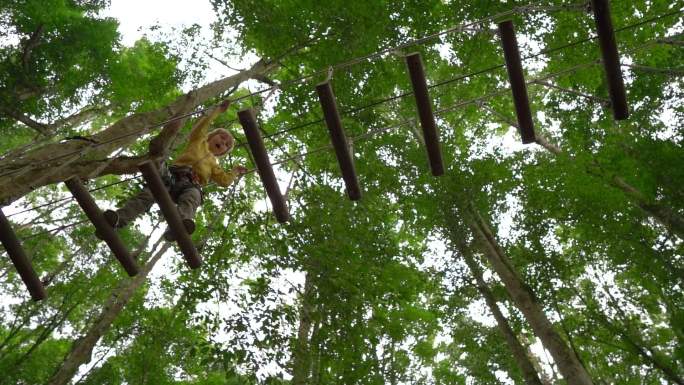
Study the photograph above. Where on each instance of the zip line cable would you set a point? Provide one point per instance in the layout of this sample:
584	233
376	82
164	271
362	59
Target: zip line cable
354	110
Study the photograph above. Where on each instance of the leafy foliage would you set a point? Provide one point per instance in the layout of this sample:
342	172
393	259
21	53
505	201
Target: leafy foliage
375	291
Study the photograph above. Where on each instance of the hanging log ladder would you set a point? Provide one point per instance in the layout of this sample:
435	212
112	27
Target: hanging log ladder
424	106
611	58
263	164
108	234
20	260
517	80
170	212
339	139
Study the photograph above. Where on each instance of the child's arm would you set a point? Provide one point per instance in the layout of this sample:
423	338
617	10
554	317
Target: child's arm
225	179
199	130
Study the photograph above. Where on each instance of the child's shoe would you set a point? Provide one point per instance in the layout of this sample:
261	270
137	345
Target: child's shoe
189	225
112	217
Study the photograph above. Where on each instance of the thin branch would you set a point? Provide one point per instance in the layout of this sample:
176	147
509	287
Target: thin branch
501	117
671	41
604	102
289	184
224	63
667	71
79	117
417	134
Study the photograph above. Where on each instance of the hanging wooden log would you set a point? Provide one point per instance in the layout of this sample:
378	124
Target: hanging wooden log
424	106
170	212
108	234
611	58
263	164
517	80
339	140
20	260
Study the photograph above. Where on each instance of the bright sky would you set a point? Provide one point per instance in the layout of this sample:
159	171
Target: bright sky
134	15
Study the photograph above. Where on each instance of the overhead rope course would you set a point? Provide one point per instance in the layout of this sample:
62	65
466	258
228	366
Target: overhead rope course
371	56
475	73
339	141
410	121
458	28
434	85
366	135
537	81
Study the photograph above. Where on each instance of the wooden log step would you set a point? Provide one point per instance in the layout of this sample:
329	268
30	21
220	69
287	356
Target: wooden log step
170	212
611	58
427	118
105	231
20	259
339	140
517	80
263	164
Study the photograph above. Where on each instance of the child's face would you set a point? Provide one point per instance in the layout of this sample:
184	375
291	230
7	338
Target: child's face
220	143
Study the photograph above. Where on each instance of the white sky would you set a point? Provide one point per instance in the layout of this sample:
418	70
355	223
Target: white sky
134	15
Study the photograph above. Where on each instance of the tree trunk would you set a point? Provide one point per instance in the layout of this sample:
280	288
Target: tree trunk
56	162
648	353
544	377
301	357
568	364
82	348
519	352
315	354
661	213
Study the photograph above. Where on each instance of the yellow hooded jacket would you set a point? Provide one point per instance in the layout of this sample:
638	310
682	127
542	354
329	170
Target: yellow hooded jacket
198	156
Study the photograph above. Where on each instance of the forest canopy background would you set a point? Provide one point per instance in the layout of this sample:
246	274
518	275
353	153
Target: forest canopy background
555	262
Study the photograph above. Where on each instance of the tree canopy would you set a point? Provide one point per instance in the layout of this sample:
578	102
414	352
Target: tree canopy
556	262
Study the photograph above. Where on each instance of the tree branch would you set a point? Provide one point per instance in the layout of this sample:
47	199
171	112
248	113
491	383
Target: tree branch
224	63
120	134
79	117
42	128
82	348
671	40
31	43
160	144
604	102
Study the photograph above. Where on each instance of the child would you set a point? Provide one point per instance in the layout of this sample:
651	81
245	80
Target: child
195	167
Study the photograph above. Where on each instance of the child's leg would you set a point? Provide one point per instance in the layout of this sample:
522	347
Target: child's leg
188	202
134	206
